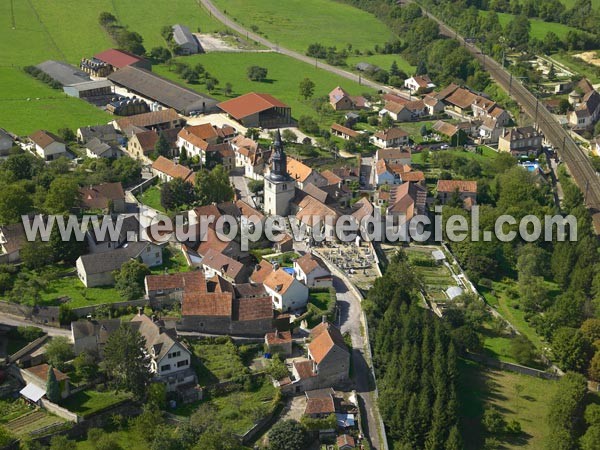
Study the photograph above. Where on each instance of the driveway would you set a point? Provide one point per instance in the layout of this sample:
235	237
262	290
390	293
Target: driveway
15	321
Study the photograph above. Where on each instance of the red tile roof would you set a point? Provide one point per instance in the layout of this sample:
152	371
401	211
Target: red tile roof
344	130
320	405
215	304
261	271
305	369
118	58
279	281
99	196
253	308
460	185
249	104
172	169
324	337
189	281
44	138
41	372
278	337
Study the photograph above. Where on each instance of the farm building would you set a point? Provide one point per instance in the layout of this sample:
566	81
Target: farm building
166	92
89	89
258	110
63	73
6	142
187	42
119	59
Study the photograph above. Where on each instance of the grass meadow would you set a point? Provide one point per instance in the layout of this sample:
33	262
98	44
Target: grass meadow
298	23
283	79
539	28
515	396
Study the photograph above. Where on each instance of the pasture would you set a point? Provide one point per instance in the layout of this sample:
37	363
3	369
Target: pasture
298	23
283	78
539	28
517	397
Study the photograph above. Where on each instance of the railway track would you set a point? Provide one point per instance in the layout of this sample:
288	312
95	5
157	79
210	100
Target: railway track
578	163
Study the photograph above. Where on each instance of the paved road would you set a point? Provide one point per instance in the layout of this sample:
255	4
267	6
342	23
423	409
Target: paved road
350	321
9	319
240	183
575	158
213	10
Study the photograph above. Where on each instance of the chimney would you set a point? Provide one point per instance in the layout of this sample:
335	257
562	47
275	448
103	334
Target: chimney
140	309
323	318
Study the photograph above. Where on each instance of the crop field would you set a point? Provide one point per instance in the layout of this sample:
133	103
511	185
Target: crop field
298	23
284	76
32	421
539	28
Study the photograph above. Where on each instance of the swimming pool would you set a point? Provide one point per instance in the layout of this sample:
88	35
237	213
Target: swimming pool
531	167
289	270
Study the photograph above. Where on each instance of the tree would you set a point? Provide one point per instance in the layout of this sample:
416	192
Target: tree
36	254
564	409
162	147
126	361
85	366
591	329
58	352
66	134
157	395
423	131
522	350
15	202
228	88
176	194
591	439
66	250
387	121
277	369
6	437
255	186
493	421
594	369
289	136
63	195
126	170
287	435
52	386
106	18
213	186
307	88
60	442
252	133
129	280
571	349
100	440
257	73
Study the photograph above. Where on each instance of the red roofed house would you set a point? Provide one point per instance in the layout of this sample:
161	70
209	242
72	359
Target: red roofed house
419	83
279	342
167	170
48	146
392	137
36	377
196	139
258	110
174	284
328	361
117	59
340	100
104	196
466	191
286	292
310	270
320	403
345	442
218	307
215	263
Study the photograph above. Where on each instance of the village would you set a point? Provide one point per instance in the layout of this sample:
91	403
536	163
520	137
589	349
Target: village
288	313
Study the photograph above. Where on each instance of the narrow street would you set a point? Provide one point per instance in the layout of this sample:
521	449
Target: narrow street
9	319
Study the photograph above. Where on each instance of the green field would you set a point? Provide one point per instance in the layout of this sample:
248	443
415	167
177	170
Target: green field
283	78
88	402
570	3
151	198
480	388
383	61
296	24
216	360
539	28
579	66
79	295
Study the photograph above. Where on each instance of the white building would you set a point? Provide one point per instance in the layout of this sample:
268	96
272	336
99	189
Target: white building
47	145
286	292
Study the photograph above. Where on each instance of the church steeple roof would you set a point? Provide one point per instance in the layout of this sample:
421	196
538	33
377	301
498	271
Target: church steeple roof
278	160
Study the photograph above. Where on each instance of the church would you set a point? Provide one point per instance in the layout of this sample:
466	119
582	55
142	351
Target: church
279	187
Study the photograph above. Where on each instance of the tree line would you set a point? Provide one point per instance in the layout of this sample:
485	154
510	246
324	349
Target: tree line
415	363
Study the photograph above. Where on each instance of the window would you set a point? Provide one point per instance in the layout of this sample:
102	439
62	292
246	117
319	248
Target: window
165	367
183	363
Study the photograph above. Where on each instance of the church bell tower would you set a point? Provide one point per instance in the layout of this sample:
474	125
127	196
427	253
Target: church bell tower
279	187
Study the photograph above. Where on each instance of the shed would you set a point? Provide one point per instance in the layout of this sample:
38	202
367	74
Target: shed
63	73
453	292
187	42
438	256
